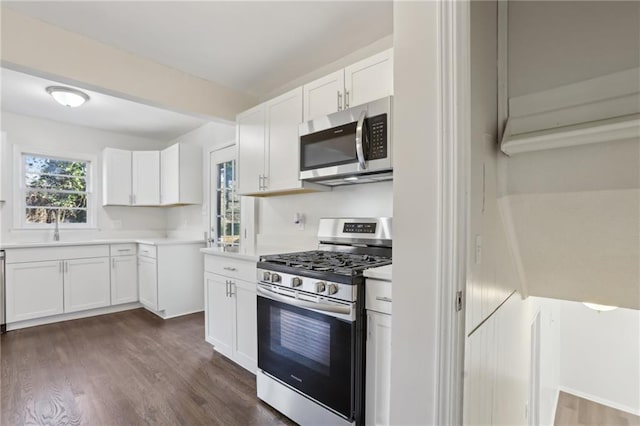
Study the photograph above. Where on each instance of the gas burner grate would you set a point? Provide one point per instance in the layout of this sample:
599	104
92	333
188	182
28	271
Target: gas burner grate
328	261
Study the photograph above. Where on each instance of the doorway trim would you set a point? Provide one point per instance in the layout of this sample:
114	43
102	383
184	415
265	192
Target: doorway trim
454	127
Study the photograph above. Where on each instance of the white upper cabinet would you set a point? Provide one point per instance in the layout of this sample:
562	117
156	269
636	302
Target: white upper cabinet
181	175
116	177
250	134
145	183
369	79
284	114
362	82
324	96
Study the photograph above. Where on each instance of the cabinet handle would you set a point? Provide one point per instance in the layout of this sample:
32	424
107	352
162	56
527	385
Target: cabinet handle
231	288
259	182
339	100
122	250
60	268
383	299
265	184
113	263
368	326
66	267
226	288
346	99
228	268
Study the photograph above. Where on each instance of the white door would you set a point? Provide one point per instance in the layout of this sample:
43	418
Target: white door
224	218
324	96
87	284
146	178
34	290
378	374
284	114
369	79
250	137
148	282
124	279
219	314
245	344
170	175
116	177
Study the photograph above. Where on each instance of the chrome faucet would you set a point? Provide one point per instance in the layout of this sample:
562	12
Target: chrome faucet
56	231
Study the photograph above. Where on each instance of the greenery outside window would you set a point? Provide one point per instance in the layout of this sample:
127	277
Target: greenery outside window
227	205
55	189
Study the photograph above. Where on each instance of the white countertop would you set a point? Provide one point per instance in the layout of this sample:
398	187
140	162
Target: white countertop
380	273
252	256
151	241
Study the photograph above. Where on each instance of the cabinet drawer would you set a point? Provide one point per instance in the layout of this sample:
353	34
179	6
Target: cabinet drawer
42	254
378	296
147	250
122	249
233	268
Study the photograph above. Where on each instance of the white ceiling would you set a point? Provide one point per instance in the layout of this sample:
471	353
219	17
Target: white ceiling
254	47
25	94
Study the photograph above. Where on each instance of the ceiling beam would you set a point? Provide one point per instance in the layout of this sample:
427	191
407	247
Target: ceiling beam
45	50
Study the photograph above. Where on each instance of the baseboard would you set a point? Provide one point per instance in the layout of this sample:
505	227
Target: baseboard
599	400
182	314
72	316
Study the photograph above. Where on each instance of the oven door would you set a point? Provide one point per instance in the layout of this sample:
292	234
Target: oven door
309	346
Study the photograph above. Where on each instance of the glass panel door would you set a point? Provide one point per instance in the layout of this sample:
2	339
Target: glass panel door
225	203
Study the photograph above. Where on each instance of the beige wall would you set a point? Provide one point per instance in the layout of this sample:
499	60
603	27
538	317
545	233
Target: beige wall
45	50
415	208
553	43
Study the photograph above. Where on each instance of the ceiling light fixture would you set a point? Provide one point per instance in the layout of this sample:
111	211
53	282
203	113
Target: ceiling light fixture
351	178
599	308
67	96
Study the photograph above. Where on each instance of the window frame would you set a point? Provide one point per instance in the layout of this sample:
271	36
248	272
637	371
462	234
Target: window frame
20	221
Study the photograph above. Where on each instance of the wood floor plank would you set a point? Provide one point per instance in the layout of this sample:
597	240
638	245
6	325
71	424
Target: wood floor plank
124	368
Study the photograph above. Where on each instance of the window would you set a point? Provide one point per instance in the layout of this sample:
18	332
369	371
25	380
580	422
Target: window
54	189
227	205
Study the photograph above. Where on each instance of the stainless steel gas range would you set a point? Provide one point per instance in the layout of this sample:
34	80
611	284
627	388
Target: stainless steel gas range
311	322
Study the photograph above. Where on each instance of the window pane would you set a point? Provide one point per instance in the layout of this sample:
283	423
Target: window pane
55	199
67	183
45	215
38	164
228	205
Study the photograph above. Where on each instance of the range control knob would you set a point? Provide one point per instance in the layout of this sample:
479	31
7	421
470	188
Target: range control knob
320	286
332	289
275	278
266	276
296	282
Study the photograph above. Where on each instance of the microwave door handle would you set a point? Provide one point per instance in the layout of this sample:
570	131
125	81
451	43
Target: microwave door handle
360	141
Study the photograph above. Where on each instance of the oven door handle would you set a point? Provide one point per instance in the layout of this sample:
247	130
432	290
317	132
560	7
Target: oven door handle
360	140
318	306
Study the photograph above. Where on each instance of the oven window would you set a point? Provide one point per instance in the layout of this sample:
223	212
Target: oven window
310	351
330	147
302	339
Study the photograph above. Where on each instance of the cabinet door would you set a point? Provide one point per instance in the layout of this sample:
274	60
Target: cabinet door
148	282
369	79
245	344
116	177
324	96
378	375
87	284
250	129
170	175
146	178
124	279
218	314
34	290
284	114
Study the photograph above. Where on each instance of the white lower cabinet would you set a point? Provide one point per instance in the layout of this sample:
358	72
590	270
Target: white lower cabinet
86	284
231	311
34	290
148	282
378	375
124	279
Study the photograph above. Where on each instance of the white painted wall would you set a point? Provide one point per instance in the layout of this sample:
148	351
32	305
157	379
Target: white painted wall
600	355
415	221
37	133
556	43
192	221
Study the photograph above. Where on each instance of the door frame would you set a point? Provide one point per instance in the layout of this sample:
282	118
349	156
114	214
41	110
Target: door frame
454	68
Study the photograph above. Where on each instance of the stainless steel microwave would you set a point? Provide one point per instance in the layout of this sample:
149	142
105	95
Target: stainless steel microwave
350	146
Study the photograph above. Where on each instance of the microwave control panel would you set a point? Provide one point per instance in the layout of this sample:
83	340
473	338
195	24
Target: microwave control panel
377	137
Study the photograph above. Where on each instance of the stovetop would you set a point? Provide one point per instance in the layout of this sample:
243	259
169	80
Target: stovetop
324	261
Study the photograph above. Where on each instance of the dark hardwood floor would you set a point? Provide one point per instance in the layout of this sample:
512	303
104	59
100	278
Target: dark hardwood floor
125	368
